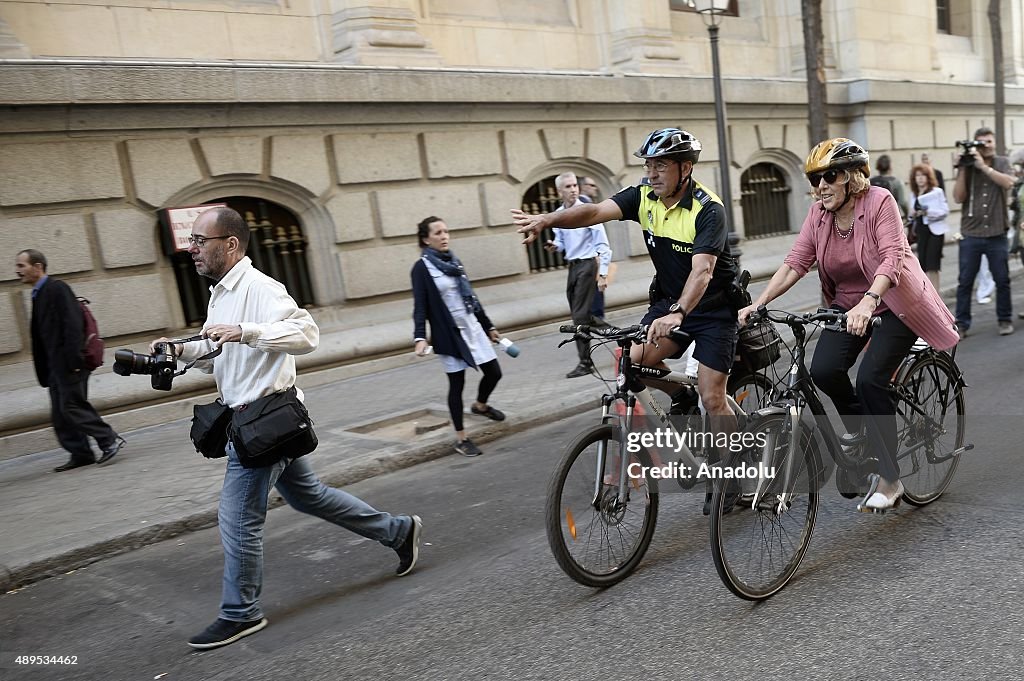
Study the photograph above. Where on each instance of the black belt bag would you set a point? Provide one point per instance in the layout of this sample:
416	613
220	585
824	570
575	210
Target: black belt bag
272	428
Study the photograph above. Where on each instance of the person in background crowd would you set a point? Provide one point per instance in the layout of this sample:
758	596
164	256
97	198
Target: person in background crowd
591	193
855	234
58	337
885	179
981	188
926	159
928	211
460	330
588	254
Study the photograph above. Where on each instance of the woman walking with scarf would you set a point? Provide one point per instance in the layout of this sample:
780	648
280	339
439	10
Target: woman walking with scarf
443	295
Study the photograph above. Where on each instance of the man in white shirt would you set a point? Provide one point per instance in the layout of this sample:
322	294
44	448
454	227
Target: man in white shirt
259	329
588	254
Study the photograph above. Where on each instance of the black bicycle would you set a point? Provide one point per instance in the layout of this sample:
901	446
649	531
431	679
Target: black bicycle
758	546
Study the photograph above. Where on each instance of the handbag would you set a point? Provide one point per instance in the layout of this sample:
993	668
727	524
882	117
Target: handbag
209	430
271	428
758	345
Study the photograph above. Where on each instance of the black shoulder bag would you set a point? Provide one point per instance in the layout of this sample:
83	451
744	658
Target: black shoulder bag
272	428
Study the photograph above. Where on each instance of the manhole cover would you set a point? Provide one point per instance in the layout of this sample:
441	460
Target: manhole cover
403	427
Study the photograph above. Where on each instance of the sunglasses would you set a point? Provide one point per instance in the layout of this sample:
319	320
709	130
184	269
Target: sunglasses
830	177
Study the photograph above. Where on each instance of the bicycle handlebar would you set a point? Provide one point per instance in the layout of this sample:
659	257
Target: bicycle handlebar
792	319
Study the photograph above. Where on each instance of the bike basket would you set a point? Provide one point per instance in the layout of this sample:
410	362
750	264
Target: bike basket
759	345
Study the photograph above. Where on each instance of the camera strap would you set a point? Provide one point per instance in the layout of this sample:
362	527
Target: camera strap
193	339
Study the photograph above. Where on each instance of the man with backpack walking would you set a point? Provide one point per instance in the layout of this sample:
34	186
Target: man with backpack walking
58	343
885	178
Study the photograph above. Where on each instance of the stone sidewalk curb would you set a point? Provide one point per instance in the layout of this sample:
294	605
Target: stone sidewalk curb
338	474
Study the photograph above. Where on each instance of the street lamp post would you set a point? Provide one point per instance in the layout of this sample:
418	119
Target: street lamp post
711	13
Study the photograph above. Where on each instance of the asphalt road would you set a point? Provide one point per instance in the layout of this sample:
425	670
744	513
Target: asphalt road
919	593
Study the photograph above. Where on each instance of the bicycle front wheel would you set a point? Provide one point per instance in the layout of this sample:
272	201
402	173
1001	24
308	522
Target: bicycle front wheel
930	421
751	391
598	537
758	543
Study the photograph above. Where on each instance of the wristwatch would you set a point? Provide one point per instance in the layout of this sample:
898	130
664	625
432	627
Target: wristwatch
872	294
676	307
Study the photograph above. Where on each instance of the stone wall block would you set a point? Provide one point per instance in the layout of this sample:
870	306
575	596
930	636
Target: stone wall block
161	168
377	157
911	134
773	135
375	271
499	199
124	305
233	155
127	237
523	152
61	238
52	172
744	144
464	153
564	142
948	131
492	255
352	216
301	159
10	330
879	138
402	209
604	145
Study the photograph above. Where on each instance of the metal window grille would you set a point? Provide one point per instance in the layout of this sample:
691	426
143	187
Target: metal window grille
543	198
764	196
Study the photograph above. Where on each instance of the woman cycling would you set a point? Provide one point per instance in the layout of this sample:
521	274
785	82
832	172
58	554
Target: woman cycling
866	268
443	295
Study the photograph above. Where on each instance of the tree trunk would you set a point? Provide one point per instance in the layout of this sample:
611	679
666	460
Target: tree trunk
998	76
814	58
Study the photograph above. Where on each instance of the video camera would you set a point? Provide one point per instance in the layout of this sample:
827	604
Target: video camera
966	160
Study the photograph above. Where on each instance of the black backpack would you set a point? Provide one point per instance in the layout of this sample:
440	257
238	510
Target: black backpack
882	181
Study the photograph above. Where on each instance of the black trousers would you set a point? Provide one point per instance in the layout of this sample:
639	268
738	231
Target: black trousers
871	403
579	290
457	381
74	419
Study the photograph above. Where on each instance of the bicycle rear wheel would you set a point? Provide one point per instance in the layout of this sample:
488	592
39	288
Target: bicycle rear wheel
930	424
597	538
758	545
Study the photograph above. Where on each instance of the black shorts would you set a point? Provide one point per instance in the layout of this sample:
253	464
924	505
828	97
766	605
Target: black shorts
713	331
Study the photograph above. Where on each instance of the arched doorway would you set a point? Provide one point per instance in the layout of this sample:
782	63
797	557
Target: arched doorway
277	247
764	194
542	197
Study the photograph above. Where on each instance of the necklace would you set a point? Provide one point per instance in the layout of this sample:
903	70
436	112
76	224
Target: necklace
843	234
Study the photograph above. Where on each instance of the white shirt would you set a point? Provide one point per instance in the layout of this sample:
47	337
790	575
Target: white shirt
274	330
584	243
936	209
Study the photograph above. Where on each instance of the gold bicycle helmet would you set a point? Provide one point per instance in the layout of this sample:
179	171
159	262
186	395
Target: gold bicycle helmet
837	154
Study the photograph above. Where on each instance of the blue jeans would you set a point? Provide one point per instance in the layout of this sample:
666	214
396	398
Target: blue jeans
996	250
243	510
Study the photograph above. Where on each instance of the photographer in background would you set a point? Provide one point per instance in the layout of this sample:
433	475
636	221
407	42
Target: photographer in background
259	330
982	182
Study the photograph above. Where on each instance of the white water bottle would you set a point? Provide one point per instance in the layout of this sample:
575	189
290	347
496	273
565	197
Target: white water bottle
510	348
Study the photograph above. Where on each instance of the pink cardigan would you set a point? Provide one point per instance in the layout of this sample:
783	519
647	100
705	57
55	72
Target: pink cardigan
881	248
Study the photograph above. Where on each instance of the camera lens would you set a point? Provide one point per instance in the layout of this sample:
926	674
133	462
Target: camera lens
127	363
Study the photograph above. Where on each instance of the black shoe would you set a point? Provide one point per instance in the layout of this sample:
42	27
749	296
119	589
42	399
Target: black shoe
223	632
111	451
489	412
71	465
580	370
467	448
409	551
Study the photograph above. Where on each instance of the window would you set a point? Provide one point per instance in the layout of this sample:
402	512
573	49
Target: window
542	198
942	16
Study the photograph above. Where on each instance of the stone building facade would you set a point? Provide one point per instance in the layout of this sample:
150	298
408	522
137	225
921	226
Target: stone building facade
357	118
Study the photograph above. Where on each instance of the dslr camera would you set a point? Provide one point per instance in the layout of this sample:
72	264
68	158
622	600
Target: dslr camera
160	365
966	160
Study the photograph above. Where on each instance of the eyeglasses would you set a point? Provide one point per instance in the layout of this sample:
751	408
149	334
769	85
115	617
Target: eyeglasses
830	177
200	241
660	166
